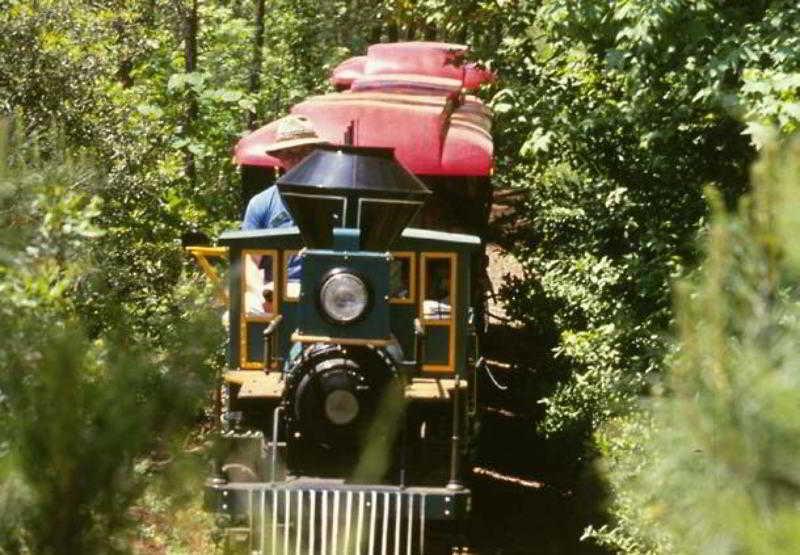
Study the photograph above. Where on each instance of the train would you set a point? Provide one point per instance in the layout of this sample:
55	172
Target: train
350	392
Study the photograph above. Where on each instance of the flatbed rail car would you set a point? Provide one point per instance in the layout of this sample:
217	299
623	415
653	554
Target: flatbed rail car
348	392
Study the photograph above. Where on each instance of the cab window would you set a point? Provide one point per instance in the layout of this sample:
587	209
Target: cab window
401	278
439	295
438	288
258	286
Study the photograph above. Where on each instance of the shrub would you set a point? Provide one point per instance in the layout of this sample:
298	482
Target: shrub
716	471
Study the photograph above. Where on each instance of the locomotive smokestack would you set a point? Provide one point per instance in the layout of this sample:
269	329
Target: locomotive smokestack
355	187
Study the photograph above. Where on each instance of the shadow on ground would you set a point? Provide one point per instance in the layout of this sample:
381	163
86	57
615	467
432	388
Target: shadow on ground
532	495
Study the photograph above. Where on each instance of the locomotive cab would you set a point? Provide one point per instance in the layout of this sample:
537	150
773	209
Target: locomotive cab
351	383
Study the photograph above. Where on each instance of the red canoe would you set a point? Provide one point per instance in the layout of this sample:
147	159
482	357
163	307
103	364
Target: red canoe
410	96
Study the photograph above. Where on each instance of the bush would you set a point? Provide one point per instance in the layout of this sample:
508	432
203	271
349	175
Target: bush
80	405
710	465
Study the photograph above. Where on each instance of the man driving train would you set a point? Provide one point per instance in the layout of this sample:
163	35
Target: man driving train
295	138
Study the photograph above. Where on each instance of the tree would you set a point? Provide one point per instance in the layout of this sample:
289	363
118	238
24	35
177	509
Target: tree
80	406
716	472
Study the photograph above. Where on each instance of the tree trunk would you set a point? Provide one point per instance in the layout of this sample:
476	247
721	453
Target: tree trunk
345	31
125	63
411	31
190	29
375	34
392	32
258	59
462	35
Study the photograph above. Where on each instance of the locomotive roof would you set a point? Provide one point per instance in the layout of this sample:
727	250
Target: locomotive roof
407	96
431	235
412	233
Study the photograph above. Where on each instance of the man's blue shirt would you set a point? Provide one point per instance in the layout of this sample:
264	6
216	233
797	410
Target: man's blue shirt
267	211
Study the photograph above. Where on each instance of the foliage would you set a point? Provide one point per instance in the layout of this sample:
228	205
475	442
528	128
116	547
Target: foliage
716	472
78	407
622	113
613	118
113	77
174	524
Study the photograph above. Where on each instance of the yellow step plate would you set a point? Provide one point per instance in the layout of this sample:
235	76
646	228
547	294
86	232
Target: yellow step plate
432	389
255	384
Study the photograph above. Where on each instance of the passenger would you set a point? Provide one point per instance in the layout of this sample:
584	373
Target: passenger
295	138
436	305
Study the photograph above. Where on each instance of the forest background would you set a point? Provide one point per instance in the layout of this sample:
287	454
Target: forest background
622	122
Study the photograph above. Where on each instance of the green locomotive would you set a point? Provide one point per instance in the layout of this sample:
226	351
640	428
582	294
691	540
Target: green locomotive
357	378
349	391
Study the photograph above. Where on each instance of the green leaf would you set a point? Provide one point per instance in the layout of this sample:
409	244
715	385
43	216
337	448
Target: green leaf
177	82
150	111
793	109
227	95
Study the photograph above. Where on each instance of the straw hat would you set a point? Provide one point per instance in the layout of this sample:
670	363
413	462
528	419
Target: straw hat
293	131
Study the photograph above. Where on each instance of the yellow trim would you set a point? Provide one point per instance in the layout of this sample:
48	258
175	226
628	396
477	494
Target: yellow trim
300	338
412	273
285	255
220	252
237	377
201	256
450	322
207	268
251	364
244	319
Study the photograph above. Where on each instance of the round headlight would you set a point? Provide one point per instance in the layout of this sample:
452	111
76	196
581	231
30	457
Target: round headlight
344	297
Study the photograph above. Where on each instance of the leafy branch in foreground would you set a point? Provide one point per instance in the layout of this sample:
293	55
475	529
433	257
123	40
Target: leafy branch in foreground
78	409
717	472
